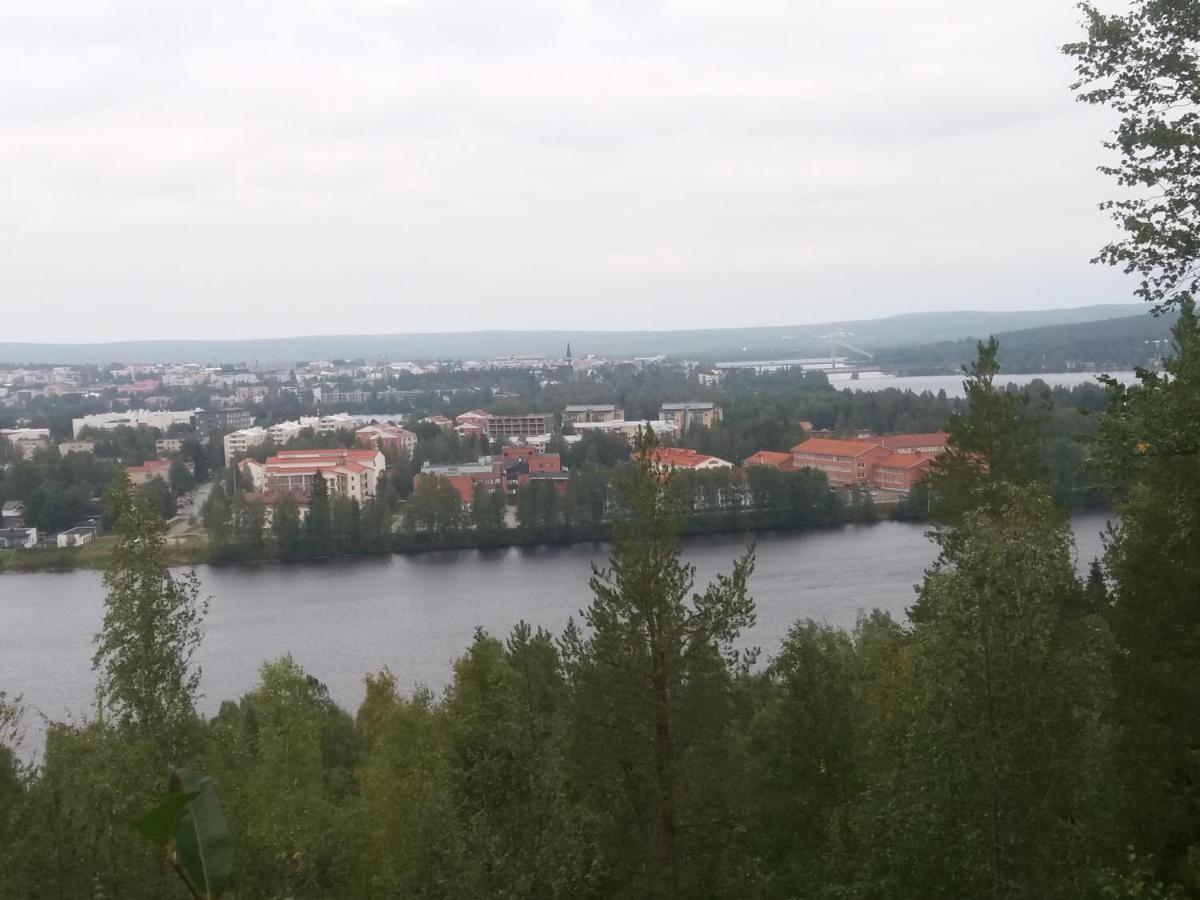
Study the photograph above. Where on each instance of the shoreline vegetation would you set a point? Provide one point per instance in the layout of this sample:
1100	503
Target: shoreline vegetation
200	552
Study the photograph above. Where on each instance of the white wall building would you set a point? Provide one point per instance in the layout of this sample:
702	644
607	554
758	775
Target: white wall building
628	428
243	441
134	418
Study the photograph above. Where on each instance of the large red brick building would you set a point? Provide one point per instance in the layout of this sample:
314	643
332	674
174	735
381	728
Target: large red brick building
893	462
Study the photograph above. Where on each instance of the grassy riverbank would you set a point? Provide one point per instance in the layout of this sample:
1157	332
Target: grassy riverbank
90	556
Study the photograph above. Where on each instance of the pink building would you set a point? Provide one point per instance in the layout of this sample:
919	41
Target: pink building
392	438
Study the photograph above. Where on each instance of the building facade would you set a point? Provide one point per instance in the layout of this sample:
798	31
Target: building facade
347	473
134	418
595	412
845	463
690	415
242	441
388	437
148	471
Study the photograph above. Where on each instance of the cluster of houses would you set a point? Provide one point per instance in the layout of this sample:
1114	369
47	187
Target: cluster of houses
353	472
16	535
513	467
243	440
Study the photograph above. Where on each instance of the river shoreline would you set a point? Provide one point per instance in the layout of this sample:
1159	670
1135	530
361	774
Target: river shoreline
51	561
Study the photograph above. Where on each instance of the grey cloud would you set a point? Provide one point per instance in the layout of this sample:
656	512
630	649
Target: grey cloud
418	164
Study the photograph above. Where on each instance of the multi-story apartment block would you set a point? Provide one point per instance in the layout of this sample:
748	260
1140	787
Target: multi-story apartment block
892	463
690	415
593	412
628	428
347	473
26	441
933	442
227	419
66	447
519	426
242	441
134	418
845	463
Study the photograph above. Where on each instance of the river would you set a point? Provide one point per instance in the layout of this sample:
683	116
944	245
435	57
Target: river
416	613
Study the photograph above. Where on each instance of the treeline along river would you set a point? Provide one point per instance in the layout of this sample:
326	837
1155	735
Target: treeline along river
415	614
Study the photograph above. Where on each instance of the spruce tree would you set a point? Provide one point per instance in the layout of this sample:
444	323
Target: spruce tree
652	698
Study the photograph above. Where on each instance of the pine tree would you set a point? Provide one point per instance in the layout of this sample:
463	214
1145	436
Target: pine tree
652	697
1150	446
318	526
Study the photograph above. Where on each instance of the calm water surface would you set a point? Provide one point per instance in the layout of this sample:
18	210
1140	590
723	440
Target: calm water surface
415	614
952	384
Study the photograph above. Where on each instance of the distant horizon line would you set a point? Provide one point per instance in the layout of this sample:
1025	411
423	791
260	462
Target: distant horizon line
1133	304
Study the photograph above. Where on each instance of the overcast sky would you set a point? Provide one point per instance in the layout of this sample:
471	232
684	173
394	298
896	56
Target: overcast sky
247	169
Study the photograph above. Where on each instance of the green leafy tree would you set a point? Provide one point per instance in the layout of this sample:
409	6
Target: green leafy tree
345	527
998	440
1144	65
156	493
181	479
435	506
487	510
1149	445
287	529
1004	760
146	677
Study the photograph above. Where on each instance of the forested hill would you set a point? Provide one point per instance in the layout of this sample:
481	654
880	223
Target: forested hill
1112	344
773	341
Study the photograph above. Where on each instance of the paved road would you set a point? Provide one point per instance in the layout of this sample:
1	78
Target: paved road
180	526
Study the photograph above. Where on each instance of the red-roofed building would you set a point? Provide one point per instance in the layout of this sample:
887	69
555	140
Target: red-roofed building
900	471
536	461
387	437
932	442
149	470
473	421
668	459
347	473
782	461
463	478
845	463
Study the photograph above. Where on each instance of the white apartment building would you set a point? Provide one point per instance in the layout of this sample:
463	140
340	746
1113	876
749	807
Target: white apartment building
243	441
26	441
134	418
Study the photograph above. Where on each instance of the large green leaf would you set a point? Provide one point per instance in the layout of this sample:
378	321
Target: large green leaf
159	823
202	837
